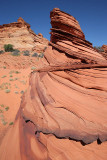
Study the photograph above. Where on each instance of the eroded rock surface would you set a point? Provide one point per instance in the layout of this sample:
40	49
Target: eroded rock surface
104	53
105	48
63	114
20	35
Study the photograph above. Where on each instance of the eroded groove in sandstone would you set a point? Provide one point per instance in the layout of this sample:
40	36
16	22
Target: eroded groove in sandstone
70	67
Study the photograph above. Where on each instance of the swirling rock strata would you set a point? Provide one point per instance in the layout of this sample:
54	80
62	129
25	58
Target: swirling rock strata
65	26
63	114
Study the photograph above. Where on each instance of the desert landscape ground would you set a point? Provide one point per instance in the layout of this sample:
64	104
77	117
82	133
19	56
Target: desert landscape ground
53	95
14	80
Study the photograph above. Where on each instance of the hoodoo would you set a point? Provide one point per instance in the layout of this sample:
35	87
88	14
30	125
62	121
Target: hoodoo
63	114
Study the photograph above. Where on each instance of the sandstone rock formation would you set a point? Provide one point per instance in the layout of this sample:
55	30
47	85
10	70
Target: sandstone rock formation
104	47
63	114
104	53
20	35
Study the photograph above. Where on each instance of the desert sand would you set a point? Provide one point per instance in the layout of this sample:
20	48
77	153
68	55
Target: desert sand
14	80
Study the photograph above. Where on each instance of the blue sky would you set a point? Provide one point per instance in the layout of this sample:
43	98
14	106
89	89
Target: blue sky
91	14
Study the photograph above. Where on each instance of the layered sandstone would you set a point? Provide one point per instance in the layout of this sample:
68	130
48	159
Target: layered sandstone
20	35
104	47
104	53
63	114
65	26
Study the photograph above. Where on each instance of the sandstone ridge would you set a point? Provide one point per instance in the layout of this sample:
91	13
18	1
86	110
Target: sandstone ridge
20	35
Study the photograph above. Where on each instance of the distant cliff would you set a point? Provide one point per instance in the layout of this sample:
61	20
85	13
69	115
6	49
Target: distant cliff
20	35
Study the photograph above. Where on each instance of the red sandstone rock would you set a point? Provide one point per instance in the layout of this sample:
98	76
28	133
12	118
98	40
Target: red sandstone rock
104	53
63	114
65	26
104	47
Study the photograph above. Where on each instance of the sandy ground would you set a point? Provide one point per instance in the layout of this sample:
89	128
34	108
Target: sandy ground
14	80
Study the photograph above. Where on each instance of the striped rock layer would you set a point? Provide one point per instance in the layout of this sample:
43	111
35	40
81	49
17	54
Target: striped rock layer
20	35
